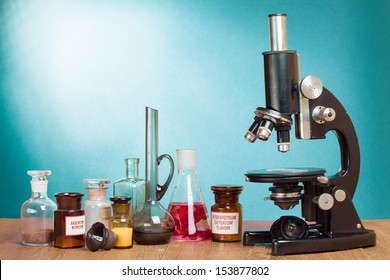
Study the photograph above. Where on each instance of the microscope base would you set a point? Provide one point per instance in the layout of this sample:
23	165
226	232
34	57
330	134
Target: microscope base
310	244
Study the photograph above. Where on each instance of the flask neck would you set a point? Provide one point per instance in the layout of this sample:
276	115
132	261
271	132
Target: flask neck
187	171
39	186
151	152
38	194
132	168
151	193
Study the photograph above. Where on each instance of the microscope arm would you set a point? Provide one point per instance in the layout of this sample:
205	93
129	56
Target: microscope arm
340	123
328	114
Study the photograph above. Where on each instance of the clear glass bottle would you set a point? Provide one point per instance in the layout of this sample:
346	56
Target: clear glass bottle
226	213
131	186
187	205
97	208
121	223
69	221
153	224
37	213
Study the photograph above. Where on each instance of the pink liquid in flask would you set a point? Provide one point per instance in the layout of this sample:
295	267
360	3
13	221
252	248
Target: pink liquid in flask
191	221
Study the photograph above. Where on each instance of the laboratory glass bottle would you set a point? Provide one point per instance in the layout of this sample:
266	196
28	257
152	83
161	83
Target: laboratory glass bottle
121	223
226	213
97	208
69	221
37	213
153	225
131	186
187	205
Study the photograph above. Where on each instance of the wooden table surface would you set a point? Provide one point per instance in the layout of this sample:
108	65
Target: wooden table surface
12	249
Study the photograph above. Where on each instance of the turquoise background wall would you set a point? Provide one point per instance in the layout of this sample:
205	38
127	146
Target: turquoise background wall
75	77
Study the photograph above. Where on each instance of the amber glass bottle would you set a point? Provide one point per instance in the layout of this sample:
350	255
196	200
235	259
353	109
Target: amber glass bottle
69	221
121	223
226	214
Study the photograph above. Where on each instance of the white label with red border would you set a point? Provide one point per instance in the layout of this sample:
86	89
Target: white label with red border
225	223
74	225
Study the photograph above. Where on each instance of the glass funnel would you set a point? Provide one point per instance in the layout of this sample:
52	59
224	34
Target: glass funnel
152	222
187	205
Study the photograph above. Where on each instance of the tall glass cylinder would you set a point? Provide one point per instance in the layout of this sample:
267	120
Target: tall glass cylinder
152	223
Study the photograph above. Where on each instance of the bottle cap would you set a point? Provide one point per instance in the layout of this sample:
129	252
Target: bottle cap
227	188
120	199
39	175
99	237
69	200
186	158
39	180
96	183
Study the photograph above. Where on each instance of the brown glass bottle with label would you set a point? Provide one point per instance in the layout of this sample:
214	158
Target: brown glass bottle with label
69	221
226	214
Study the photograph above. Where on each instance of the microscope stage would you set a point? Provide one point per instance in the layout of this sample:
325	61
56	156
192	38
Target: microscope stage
284	175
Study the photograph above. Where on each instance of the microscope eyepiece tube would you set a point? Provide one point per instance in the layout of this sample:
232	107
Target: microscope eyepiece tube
278	32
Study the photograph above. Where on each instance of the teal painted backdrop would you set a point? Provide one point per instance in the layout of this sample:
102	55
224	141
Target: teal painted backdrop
75	77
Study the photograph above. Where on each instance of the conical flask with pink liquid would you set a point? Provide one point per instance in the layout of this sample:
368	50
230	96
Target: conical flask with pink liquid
187	205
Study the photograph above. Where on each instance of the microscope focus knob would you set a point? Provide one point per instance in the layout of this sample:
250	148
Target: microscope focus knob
322	114
311	87
324	201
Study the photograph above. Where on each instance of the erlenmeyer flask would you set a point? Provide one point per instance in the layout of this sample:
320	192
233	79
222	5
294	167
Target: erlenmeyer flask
152	222
187	205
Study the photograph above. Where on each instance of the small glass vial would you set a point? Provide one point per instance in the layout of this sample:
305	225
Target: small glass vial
121	223
131	186
97	208
37	213
69	221
226	214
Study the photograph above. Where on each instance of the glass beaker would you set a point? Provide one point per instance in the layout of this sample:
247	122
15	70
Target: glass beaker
97	208
187	205
152	223
69	221
131	186
37	213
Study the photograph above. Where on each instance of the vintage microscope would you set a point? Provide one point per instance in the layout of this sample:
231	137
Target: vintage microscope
331	221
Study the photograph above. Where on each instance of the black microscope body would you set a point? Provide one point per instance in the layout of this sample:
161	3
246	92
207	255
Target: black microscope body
331	221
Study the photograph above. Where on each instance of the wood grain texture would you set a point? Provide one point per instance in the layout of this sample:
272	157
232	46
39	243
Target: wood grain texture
12	249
